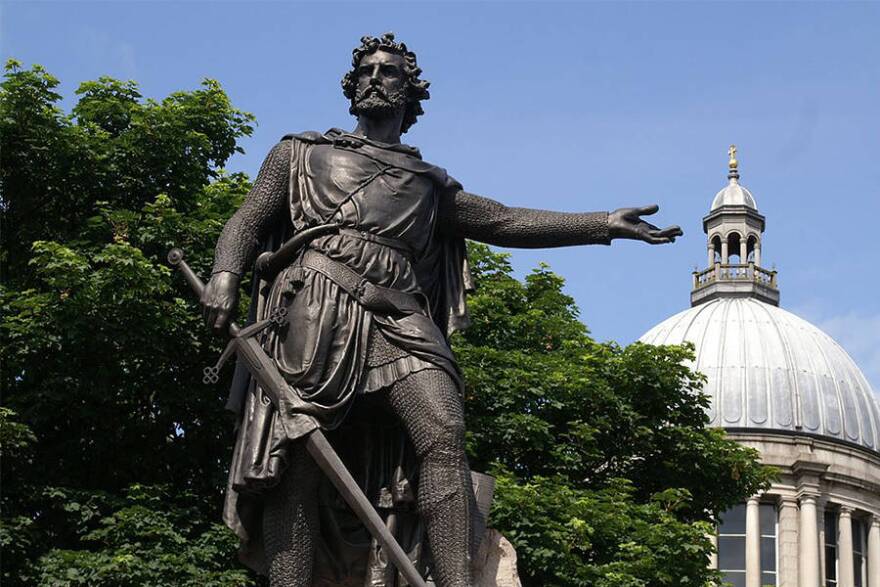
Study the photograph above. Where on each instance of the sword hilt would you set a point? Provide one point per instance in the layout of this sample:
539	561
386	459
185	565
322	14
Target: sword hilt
175	259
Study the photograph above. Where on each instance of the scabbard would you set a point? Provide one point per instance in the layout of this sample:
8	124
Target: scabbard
269	265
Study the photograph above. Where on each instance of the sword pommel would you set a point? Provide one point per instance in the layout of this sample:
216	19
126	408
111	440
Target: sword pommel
175	256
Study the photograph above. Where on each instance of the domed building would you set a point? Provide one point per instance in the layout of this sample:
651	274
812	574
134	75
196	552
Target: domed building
782	386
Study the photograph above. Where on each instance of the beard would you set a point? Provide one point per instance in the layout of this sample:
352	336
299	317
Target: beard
375	102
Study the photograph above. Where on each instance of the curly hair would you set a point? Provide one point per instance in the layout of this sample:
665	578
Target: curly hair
416	89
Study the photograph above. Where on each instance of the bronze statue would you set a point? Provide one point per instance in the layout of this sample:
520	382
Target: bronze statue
370	303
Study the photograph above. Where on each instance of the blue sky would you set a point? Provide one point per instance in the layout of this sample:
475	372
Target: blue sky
571	106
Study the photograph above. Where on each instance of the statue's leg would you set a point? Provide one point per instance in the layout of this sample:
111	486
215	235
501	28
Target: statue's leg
429	405
290	521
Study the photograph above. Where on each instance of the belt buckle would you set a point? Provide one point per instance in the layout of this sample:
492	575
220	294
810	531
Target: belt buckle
360	289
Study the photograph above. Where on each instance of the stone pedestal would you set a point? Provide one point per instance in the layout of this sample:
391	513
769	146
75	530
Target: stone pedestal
495	565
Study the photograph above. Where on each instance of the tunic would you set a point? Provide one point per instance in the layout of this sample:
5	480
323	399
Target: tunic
386	201
402	226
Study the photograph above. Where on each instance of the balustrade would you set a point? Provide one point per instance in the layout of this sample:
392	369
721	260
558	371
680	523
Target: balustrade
734	272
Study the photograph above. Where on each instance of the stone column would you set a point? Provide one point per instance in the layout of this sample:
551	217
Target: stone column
874	552
845	574
743	251
713	558
758	253
753	543
820	515
787	573
725	257
711	255
808	553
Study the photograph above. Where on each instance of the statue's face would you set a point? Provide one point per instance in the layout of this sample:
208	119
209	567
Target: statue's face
381	85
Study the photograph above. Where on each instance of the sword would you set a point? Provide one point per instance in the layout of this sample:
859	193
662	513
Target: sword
263	369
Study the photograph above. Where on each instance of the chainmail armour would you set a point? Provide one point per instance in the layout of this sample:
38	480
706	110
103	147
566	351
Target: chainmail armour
425	398
430	408
381	352
239	240
290	522
466	214
428	404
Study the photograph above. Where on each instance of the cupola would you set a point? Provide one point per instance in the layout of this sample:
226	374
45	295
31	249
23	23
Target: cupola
735	231
766	368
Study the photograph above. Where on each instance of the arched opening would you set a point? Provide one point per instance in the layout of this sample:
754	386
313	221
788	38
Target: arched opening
733	249
715	250
754	250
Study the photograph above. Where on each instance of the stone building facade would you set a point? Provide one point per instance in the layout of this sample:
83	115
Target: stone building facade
782	386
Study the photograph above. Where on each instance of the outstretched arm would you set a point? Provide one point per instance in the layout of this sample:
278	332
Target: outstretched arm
488	221
238	242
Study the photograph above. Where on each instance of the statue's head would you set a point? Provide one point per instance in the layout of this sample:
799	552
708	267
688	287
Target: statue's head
384	79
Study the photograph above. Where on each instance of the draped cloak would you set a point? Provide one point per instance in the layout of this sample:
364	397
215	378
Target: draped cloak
385	199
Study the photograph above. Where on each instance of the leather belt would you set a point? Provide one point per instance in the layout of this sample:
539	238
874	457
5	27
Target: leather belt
392	243
373	297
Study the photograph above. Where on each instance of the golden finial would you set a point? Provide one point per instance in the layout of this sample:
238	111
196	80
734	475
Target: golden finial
733	164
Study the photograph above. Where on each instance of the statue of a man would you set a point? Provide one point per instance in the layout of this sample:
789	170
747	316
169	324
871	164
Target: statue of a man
402	224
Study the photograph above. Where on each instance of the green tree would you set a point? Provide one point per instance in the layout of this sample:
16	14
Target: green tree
114	451
607	474
102	349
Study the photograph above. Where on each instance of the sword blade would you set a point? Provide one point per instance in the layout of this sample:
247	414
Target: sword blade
333	467
263	369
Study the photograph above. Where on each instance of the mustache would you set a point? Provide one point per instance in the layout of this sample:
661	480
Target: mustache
372	90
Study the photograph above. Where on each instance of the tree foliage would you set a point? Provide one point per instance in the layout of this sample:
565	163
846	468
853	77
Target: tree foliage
114	451
102	349
607	474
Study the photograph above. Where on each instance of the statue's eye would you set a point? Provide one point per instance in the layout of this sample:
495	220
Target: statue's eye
390	70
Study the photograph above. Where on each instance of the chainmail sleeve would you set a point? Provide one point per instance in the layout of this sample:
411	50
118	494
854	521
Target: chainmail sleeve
261	209
485	220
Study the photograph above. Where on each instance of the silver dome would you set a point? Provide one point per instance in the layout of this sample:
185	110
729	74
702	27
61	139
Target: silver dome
734	194
769	369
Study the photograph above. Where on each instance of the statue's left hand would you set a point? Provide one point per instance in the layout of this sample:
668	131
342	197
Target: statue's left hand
626	223
219	300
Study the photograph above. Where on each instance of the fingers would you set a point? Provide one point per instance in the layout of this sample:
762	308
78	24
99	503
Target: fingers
211	316
206	306
660	237
215	310
647	210
217	317
655	236
660	240
219	324
628	224
670	231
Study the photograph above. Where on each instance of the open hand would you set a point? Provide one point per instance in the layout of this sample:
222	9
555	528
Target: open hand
219	300
625	223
